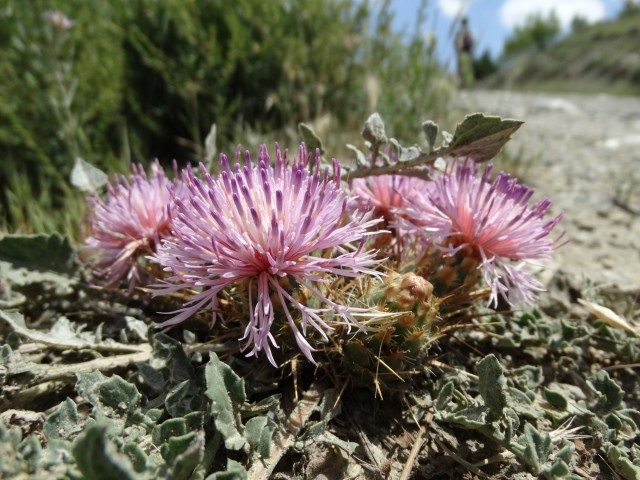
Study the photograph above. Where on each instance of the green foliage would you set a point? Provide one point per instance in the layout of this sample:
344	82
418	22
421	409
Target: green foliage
537	33
478	136
598	57
169	70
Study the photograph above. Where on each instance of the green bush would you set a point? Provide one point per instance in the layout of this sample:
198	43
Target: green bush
130	81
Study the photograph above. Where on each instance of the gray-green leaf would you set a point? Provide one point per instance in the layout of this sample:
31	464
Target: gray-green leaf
226	391
86	177
481	137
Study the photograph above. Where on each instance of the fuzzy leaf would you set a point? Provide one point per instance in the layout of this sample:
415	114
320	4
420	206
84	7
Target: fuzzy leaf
63	422
430	130
97	457
621	463
136	455
404	154
445	396
556	399
481	137
310	138
174	427
119	394
234	471
537	447
492	384
170	352
226	391
183	454
471	417
38	252
609	394
373	130
360	156
259	434
87	386
175	401
86	177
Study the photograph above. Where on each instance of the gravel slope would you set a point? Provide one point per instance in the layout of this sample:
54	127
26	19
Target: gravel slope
587	160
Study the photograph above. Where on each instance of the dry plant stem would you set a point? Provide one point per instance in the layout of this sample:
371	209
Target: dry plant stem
58	344
26	395
417	446
397	168
469	466
62	372
262	470
457	370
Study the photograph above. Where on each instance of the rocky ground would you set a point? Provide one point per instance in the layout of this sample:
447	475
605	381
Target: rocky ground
582	151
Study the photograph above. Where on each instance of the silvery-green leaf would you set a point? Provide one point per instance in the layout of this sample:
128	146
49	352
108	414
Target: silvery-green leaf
373	130
139	460
608	392
182	454
409	153
310	138
97	457
492	385
119	394
234	471
259	432
430	130
226	391
40	252
481	137
360	156
445	396
86	177
174	427
621	463
175	401
537	447
63	422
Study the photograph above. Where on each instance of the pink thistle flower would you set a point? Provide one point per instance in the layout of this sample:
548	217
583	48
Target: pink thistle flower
495	219
385	194
127	224
260	225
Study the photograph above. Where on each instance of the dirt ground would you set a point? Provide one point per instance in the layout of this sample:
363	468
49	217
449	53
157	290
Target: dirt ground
583	152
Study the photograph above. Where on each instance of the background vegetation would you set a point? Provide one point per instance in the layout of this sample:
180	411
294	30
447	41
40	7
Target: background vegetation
601	57
130	81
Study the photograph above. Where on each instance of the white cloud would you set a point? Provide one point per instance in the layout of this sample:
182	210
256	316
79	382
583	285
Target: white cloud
514	12
452	8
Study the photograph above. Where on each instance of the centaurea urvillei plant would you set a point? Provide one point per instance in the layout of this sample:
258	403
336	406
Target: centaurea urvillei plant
128	224
282	245
274	228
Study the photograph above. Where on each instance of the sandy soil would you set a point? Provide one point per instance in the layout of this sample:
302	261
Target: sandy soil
584	154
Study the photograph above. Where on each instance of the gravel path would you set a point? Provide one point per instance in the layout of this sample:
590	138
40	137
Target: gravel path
585	153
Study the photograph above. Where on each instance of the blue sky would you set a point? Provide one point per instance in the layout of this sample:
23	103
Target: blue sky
492	21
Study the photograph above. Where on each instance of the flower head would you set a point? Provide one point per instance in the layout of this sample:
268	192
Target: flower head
265	226
495	219
127	224
385	194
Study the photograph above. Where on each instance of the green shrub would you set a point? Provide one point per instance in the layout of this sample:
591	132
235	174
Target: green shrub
130	81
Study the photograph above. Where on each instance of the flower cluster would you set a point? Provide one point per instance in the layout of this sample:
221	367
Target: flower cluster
272	228
128	224
495	219
276	233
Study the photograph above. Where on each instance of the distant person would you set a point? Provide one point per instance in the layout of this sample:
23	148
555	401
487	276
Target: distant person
464	49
